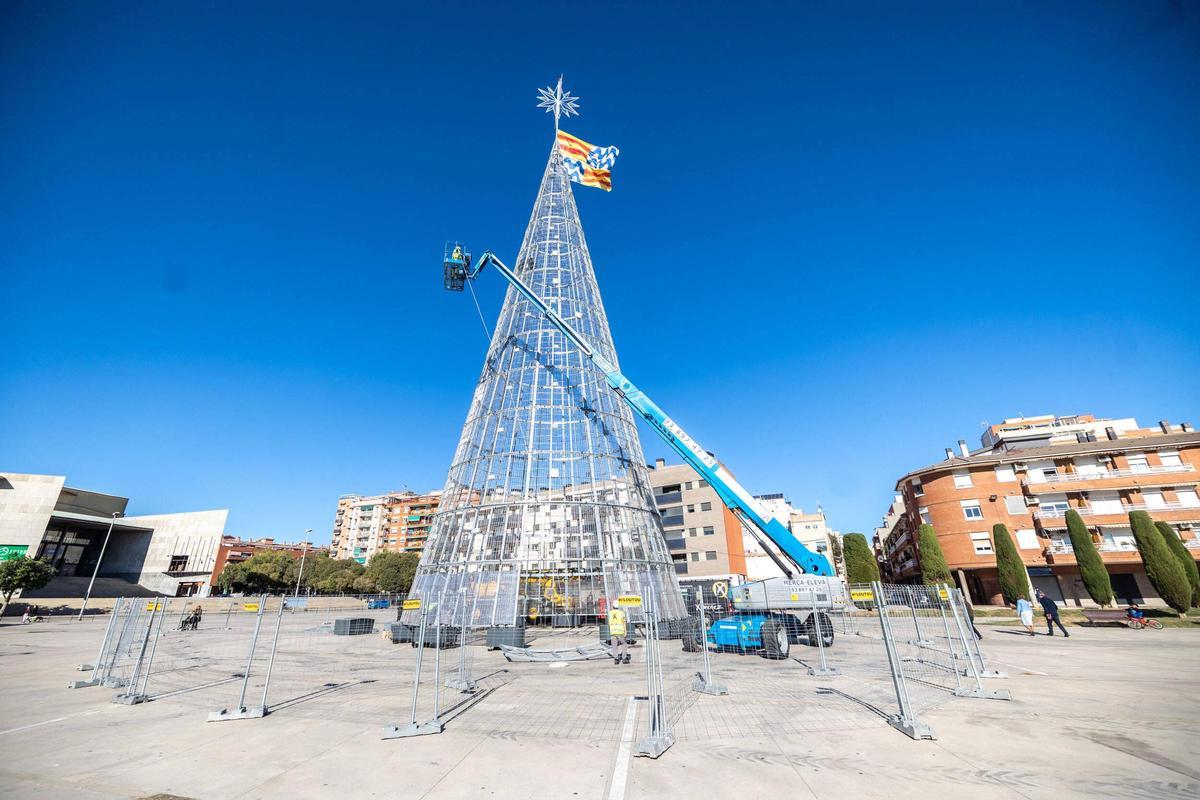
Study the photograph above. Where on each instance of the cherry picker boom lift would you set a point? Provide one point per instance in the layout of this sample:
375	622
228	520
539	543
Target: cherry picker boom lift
769	615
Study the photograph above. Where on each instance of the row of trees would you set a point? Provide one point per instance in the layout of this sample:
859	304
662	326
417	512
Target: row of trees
1171	569
278	571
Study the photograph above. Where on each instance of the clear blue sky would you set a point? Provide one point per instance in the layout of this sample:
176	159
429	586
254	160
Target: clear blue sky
841	237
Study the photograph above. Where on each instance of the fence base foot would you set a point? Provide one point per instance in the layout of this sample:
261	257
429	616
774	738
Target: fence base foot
824	672
993	673
913	730
462	684
920	643
84	667
245	712
130	699
413	729
83	684
984	694
654	746
707	687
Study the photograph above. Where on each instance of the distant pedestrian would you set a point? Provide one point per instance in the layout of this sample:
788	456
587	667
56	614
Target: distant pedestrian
971	618
616	632
1025	612
197	615
1051	610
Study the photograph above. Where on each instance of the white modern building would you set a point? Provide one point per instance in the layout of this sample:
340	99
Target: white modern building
165	554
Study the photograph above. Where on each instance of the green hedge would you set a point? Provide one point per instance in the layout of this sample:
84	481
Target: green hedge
933	561
1091	565
861	566
1014	580
1180	551
1162	568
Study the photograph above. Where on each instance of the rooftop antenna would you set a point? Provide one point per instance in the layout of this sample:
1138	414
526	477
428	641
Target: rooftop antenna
558	103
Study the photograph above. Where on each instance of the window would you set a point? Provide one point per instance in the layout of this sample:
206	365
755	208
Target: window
1014	504
925	517
691	531
688	485
1187	498
701	484
1005	473
918	489
982	542
706	506
1027	539
971	509
178	564
1170	458
1154	499
710	555
962	479
691	509
708	530
695	556
1138	462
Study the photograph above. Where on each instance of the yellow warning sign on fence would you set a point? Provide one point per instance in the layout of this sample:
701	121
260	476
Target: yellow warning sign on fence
154	606
629	600
412	605
862	594
942	593
249	606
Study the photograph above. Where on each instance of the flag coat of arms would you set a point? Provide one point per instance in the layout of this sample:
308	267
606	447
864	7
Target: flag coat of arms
586	163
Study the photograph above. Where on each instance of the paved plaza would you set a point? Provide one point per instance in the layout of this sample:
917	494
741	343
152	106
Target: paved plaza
1107	713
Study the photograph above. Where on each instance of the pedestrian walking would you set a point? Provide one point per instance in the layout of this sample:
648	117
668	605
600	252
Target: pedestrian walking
1050	608
1025	612
616	632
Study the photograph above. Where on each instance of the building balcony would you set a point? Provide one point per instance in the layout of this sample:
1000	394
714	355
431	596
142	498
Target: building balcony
1113	479
668	498
899	542
1111	511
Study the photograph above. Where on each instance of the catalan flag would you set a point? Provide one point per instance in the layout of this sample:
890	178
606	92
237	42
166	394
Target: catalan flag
586	163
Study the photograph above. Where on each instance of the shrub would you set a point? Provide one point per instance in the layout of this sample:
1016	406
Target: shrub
20	573
933	561
1091	566
861	566
1162	568
1014	580
1182	555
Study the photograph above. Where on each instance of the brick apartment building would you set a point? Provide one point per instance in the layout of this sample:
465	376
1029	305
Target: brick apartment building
396	521
233	550
1027	474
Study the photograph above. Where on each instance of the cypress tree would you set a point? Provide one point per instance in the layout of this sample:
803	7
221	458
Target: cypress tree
933	561
861	566
1162	568
1014	580
1184	557
1091	565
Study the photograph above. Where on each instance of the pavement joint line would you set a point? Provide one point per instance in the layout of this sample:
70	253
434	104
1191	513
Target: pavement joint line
285	770
52	721
620	774
453	767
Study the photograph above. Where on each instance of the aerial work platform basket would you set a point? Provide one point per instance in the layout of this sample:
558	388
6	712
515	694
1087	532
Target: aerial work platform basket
456	264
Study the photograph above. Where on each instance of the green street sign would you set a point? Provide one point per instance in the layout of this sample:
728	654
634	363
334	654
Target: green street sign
10	551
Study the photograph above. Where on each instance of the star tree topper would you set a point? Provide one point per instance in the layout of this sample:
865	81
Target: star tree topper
558	102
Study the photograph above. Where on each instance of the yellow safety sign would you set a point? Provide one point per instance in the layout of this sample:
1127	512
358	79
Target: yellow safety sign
412	605
249	606
154	606
862	594
629	600
942	593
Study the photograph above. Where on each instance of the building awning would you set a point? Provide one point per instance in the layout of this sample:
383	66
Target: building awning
120	524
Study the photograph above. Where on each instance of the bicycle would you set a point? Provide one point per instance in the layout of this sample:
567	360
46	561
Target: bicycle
1137	623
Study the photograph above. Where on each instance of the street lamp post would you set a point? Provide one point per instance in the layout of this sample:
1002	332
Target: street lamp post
303	553
87	595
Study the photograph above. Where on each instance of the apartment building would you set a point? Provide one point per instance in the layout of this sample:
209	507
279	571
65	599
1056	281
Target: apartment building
396	521
893	541
1027	474
707	540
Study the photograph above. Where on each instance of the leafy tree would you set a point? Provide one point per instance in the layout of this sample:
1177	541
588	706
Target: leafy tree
835	551
20	573
934	569
1091	565
341	579
1184	558
1014	580
392	572
271	571
861	566
1162	568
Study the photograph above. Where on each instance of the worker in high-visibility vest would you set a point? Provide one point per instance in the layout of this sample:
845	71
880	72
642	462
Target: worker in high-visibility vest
616	630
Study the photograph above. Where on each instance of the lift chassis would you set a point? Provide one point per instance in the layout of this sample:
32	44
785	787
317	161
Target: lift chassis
769	615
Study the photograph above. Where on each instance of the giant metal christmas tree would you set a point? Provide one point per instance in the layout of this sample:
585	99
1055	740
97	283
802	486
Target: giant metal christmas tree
547	510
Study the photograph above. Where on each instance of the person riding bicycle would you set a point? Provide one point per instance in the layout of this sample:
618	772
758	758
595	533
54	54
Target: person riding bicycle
1133	613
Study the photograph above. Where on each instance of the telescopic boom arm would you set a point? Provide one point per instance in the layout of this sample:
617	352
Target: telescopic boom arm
749	510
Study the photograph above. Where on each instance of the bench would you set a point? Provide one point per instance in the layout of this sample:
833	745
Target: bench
1100	616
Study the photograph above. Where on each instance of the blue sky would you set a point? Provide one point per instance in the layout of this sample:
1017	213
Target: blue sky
841	237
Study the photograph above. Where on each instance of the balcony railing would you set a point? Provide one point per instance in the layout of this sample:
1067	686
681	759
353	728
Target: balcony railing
1085	511
1192	544
668	498
1110	473
1065	548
